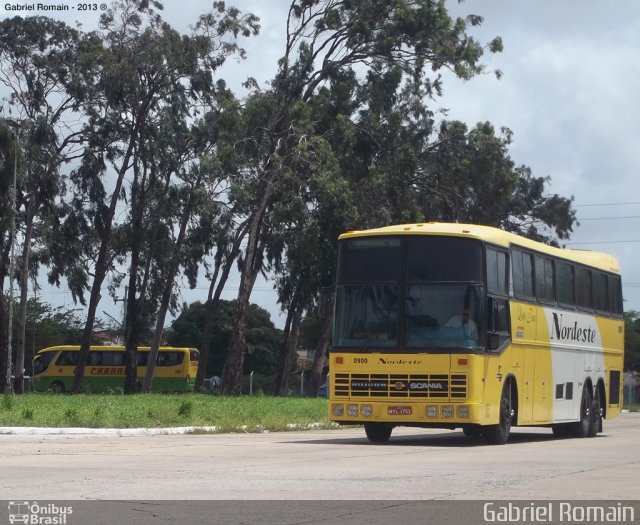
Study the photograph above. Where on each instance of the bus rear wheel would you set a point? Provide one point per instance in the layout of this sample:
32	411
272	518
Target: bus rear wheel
596	415
57	387
378	432
499	434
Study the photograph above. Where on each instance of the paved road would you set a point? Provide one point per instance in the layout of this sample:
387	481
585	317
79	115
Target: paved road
328	477
323	465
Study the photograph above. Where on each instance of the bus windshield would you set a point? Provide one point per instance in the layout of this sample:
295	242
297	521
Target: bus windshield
442	316
411	292
42	361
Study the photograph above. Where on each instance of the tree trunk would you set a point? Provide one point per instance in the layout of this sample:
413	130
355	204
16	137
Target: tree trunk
213	301
288	351
132	319
3	335
18	384
284	350
168	287
100	273
319	355
232	370
131	329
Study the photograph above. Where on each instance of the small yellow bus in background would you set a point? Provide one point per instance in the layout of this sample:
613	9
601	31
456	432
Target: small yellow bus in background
462	326
54	368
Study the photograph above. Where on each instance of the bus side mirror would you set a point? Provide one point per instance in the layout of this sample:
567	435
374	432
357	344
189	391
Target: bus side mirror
493	341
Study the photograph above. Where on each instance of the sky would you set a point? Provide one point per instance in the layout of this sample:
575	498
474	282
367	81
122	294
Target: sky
568	92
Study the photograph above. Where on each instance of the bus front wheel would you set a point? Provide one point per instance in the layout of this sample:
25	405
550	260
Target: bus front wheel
378	432
499	434
57	387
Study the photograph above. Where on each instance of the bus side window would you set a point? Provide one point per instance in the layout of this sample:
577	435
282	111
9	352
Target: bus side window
615	296
497	271
522	266
498	322
584	291
170	358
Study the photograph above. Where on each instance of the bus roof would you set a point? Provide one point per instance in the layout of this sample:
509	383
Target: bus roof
114	348
602	261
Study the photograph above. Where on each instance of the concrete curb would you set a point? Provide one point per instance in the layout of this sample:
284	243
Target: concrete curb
122	432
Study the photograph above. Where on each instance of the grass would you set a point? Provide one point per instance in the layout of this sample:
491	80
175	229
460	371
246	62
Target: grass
226	414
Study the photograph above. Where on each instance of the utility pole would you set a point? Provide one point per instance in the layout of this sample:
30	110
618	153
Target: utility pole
123	324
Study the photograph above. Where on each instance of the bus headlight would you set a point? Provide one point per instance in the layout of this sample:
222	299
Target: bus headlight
463	412
352	410
367	410
432	411
337	410
447	411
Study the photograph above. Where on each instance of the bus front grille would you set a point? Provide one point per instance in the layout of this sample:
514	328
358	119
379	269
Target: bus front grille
406	386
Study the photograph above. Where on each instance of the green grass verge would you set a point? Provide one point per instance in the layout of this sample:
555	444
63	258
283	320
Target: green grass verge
226	414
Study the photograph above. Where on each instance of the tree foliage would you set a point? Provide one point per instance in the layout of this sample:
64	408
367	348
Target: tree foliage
177	178
632	341
263	339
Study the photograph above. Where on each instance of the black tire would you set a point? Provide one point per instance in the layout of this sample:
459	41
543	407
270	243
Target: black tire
583	428
472	430
499	434
378	432
596	415
57	387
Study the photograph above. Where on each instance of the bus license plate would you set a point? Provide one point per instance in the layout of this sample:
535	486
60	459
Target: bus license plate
399	411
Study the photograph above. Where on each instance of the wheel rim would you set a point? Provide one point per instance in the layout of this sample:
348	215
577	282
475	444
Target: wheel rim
586	409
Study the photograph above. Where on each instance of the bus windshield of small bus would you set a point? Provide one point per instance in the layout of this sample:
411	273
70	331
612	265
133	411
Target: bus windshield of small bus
412	292
42	361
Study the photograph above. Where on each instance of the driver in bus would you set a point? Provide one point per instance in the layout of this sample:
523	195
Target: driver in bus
465	322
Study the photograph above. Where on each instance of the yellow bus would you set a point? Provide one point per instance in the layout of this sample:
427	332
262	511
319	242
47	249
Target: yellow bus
54	368
441	325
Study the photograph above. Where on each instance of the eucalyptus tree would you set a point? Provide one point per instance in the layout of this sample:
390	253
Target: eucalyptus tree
325	38
398	166
145	65
7	152
39	66
470	177
363	126
201	200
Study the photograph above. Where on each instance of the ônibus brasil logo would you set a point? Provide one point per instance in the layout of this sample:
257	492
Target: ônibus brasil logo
38	514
